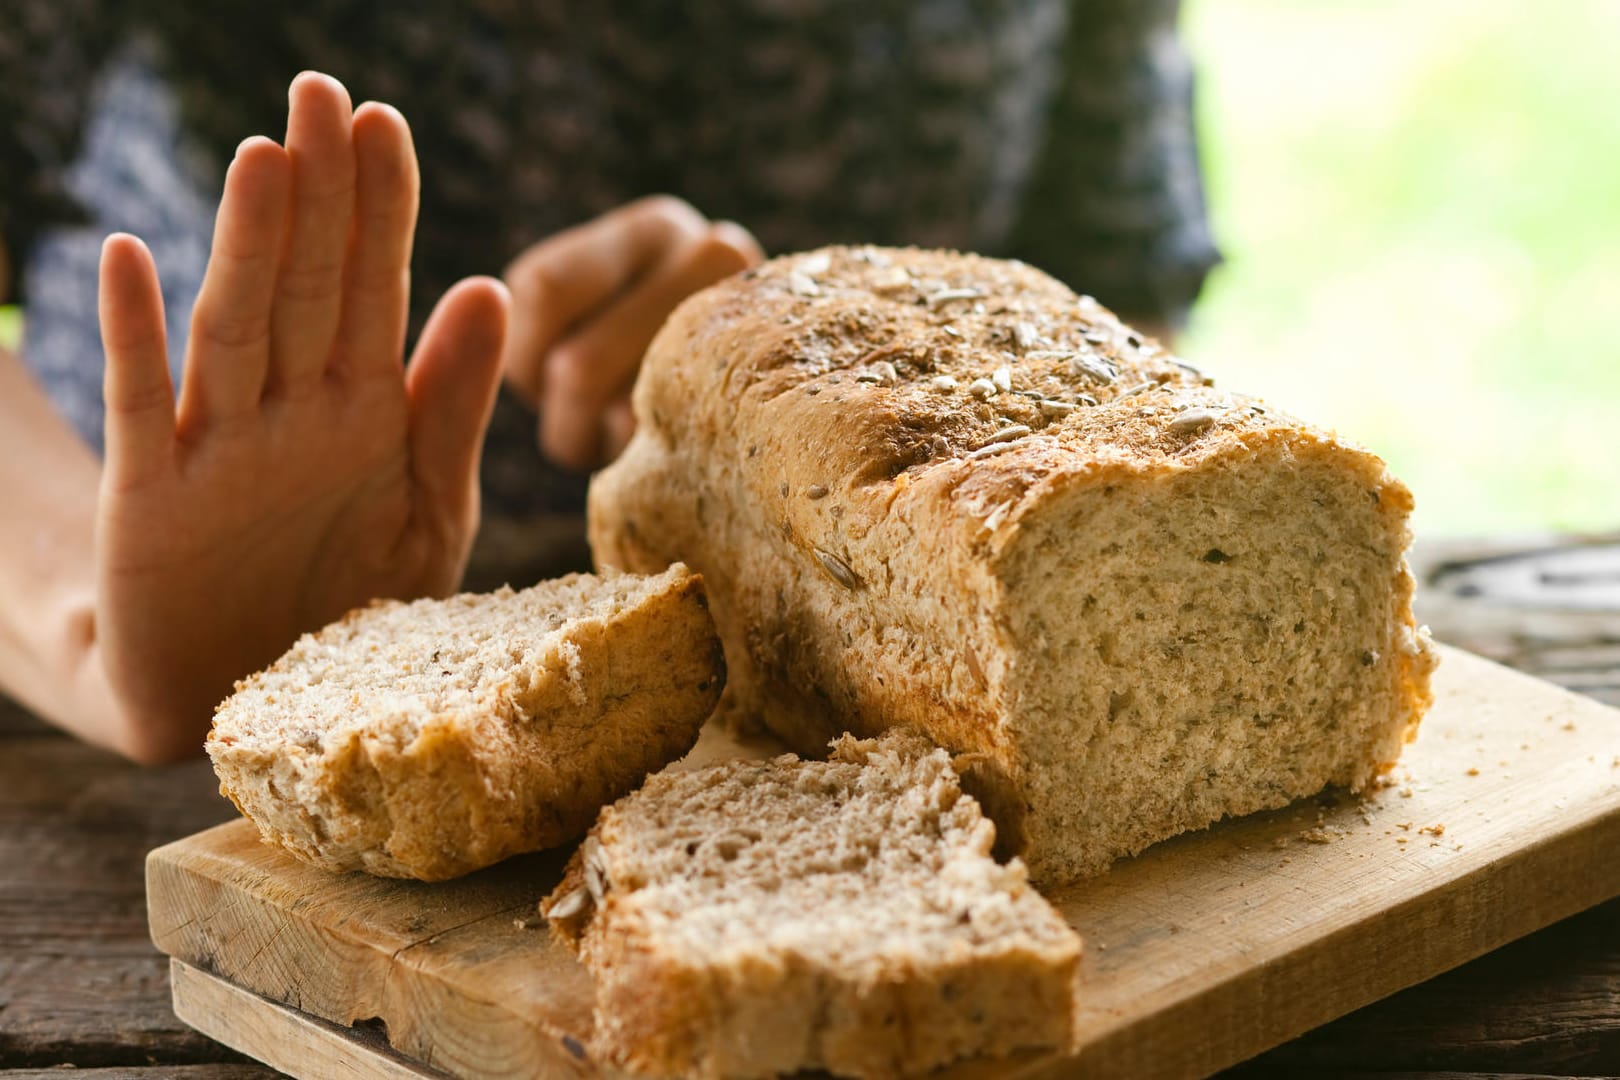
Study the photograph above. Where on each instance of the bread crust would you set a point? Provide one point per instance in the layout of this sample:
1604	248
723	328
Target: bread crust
856	446
760	1000
613	698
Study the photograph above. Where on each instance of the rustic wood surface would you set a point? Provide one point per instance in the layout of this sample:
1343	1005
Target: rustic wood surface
1199	953
284	1037
81	985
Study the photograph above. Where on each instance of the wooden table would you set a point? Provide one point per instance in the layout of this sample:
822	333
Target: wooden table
81	986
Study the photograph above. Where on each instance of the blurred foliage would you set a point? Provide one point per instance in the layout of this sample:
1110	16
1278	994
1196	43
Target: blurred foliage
1420	209
10	328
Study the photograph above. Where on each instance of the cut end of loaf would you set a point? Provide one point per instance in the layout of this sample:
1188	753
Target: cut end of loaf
763	917
1219	639
431	738
936	489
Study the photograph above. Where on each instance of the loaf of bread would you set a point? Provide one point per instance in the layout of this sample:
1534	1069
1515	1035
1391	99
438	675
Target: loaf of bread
429	739
944	491
759	918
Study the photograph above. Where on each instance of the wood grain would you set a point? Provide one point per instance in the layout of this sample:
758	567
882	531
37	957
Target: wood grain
146	1072
284	1037
1502	818
1547	1004
79	979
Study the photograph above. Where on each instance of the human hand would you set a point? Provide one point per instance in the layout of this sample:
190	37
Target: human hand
301	473
587	301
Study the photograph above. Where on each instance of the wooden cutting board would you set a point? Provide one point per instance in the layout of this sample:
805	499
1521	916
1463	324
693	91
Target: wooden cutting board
1502	818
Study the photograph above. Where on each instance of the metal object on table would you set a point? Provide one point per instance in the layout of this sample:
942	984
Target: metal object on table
1549	607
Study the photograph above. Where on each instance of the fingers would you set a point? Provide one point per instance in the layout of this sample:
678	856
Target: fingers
376	293
598	362
135	385
618	425
309	293
563	279
740	240
229	349
451	388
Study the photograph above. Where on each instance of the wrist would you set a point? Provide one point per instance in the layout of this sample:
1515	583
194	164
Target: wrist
46	635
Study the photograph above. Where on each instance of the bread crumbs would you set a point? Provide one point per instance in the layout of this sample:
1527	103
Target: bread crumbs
1474	770
1436	829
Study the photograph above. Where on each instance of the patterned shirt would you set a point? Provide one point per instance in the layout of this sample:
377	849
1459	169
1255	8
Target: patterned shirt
1056	131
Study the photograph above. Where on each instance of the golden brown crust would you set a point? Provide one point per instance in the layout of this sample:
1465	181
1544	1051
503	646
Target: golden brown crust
742	961
619	698
852	444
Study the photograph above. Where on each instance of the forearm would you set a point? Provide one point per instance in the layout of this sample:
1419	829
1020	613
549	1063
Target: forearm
48	490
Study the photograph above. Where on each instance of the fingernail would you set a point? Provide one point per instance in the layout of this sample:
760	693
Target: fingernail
312	75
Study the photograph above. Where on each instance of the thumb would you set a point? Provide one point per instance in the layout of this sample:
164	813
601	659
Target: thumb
450	385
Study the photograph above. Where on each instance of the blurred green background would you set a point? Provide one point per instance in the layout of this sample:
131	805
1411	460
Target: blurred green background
1420	208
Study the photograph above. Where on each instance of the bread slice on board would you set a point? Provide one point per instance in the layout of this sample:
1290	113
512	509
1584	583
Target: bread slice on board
940	490
429	739
758	918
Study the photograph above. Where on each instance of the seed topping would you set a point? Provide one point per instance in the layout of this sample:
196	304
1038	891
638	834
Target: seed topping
998	515
802	284
880	372
1192	420
570	905
838	569
999	441
891	279
995	448
1093	367
945	296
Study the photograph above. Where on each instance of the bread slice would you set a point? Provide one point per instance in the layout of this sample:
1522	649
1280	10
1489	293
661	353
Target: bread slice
939	490
758	918
429	739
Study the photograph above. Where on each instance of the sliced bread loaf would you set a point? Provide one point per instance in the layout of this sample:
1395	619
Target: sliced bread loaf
757	918
940	490
429	739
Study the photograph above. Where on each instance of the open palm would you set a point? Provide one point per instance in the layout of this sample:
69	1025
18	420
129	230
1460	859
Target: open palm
301	472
